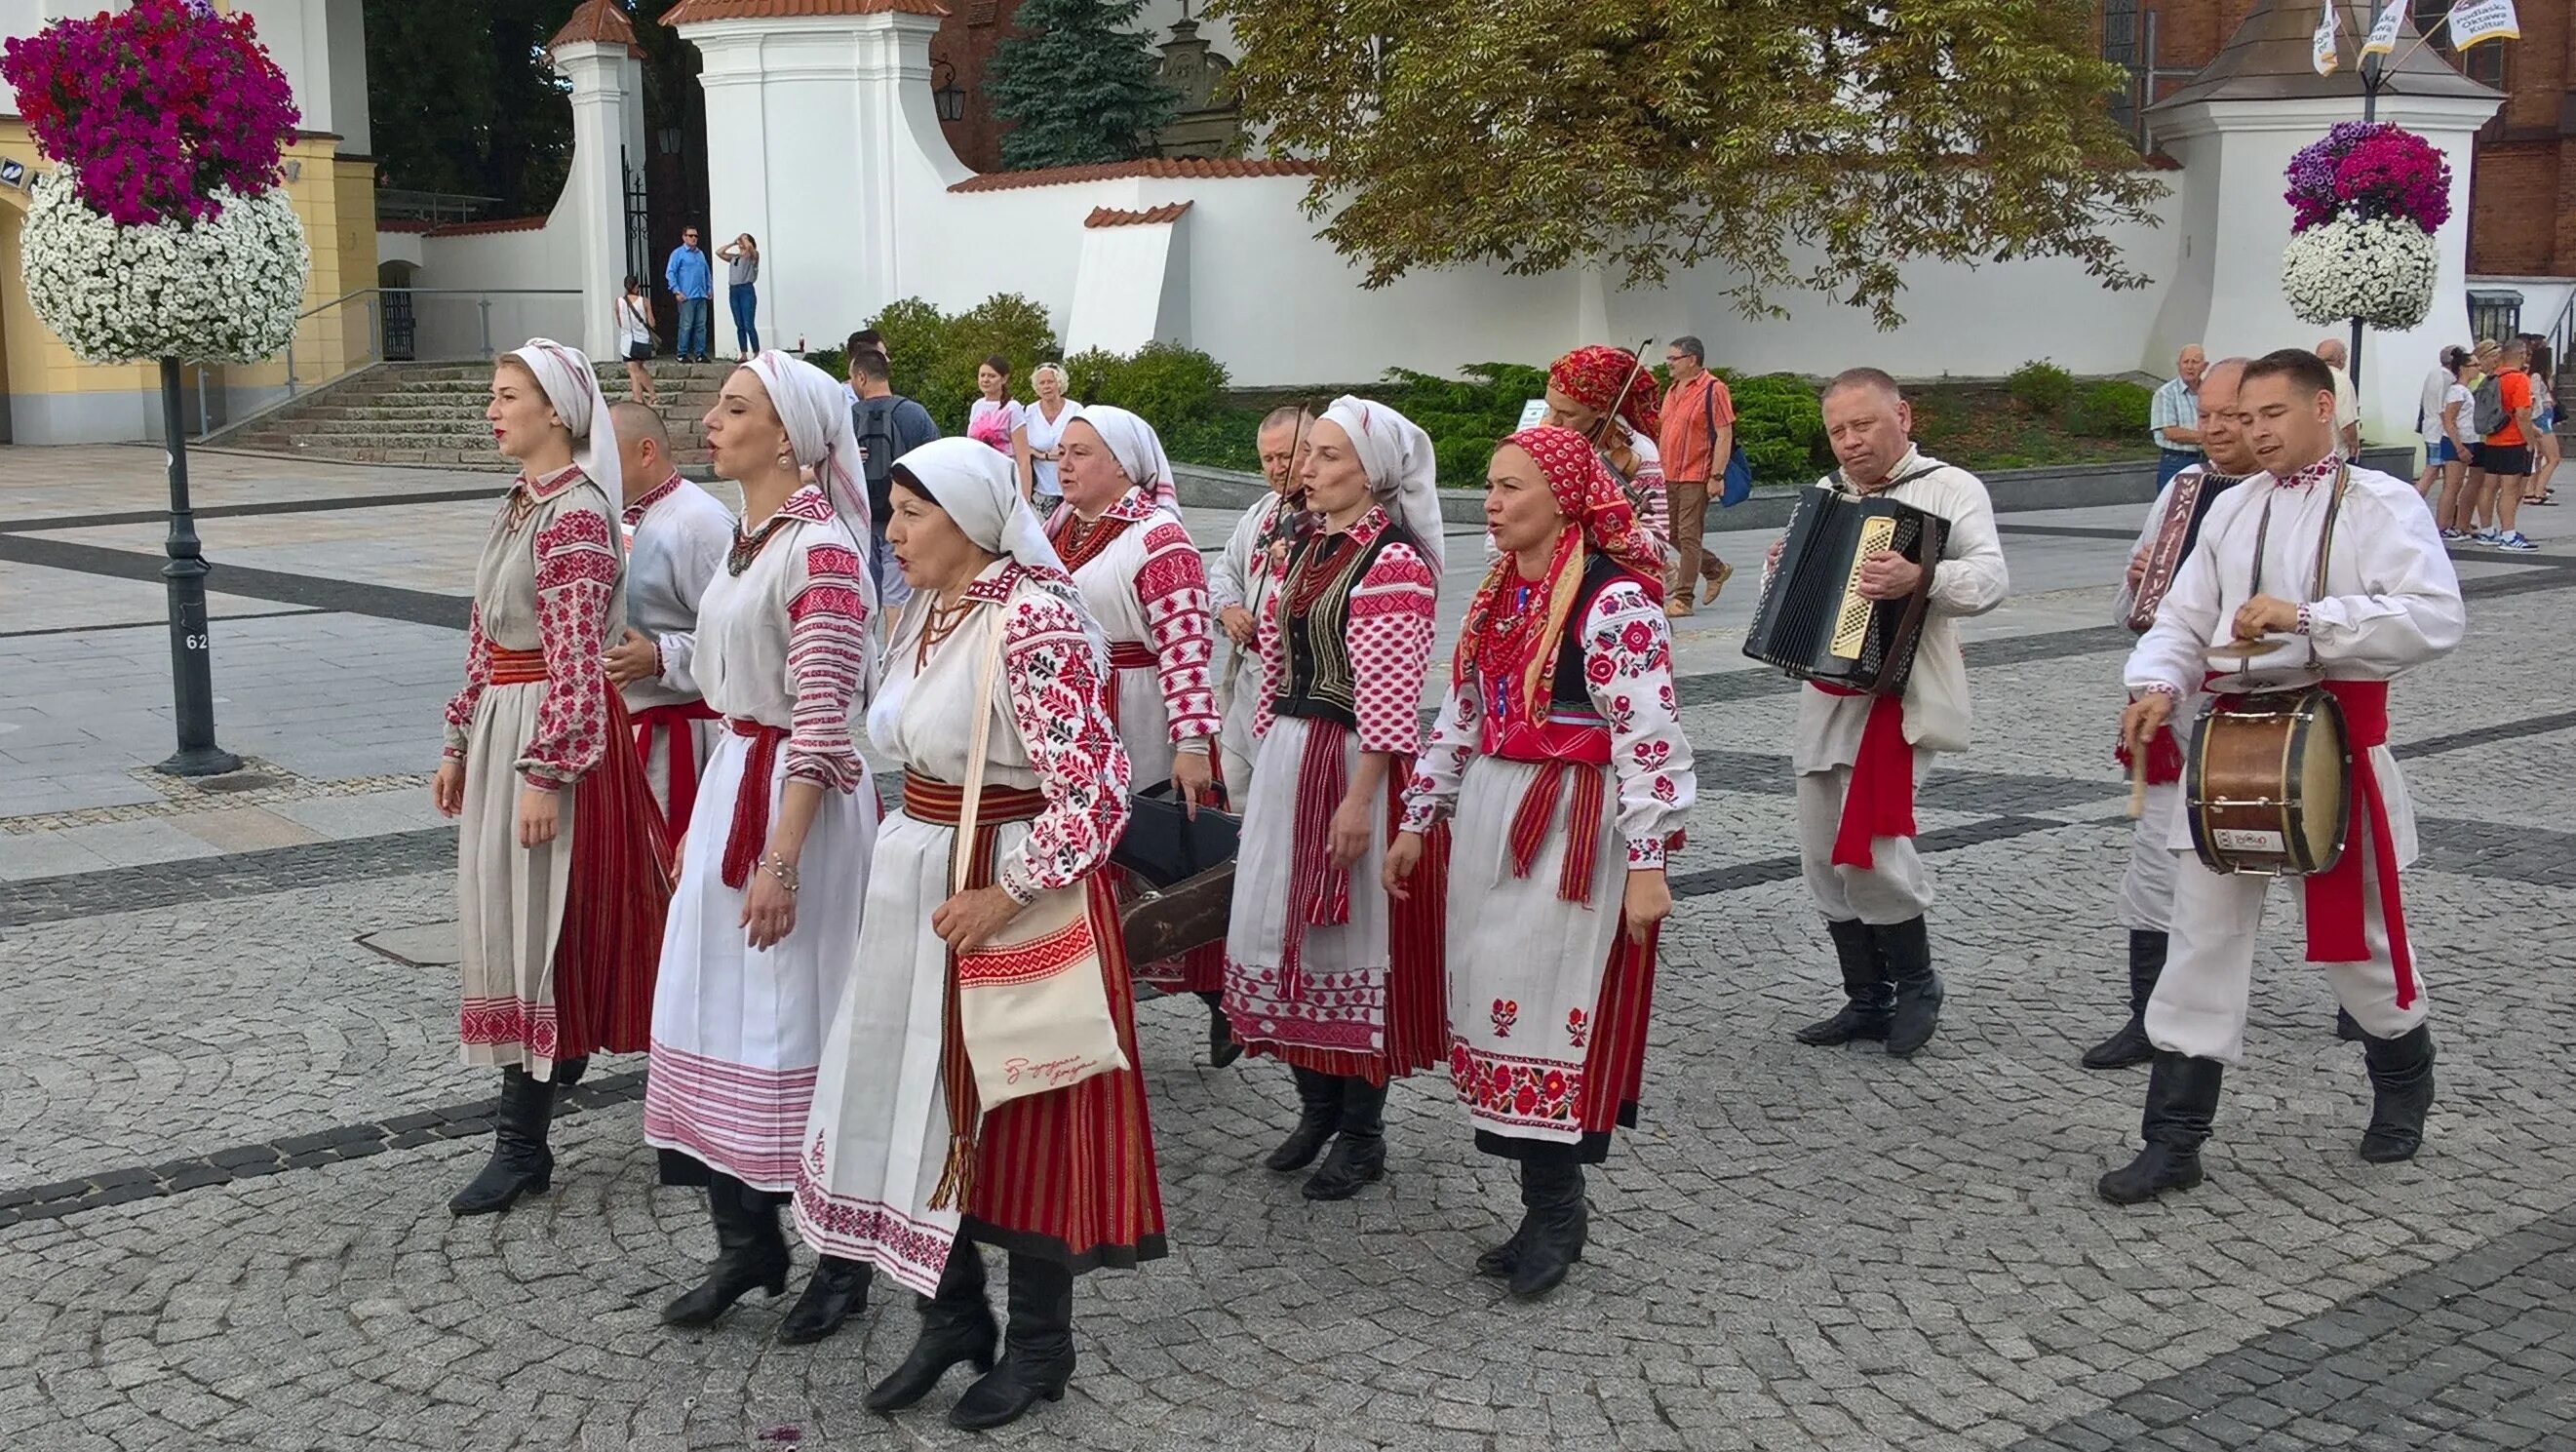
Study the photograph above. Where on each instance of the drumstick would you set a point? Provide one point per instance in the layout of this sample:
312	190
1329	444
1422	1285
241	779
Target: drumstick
2137	784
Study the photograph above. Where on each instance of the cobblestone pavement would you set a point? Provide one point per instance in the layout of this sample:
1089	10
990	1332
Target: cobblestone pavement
231	1126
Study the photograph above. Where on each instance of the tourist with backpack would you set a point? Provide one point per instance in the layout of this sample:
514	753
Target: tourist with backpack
2501	405
889	426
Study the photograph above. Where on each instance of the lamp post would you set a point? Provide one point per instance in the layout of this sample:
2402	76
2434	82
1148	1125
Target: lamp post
192	680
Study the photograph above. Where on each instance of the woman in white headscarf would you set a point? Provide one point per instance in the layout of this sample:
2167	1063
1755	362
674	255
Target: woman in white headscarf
1141	577
751	970
563	873
904	1168
1324	969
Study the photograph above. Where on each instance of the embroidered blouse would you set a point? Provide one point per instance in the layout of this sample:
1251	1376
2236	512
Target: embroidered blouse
1379	656
786	643
550	580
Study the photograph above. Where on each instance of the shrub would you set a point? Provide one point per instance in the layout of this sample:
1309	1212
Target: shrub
835	361
2041	386
2112	409
1781	424
935	355
1168	384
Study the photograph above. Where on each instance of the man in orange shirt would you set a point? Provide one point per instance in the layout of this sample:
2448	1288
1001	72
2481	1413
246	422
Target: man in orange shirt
1698	435
2499	463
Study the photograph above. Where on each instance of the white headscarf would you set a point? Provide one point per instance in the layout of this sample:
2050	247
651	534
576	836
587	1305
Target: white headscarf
816	412
572	386
1138	450
976	488
1402	472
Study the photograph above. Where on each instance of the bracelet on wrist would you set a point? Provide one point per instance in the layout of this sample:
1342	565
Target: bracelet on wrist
781	869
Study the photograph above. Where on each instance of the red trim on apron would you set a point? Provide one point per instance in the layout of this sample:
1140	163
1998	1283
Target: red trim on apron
2338	930
1880	800
750	830
1537	812
679	752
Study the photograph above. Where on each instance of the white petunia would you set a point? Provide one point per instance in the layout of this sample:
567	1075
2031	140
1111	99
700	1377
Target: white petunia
2381	272
227	290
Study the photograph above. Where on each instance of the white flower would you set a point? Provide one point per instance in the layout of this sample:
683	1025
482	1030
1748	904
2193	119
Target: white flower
222	291
2381	272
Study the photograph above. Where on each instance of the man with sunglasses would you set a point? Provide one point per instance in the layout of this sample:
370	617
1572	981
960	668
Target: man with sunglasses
692	281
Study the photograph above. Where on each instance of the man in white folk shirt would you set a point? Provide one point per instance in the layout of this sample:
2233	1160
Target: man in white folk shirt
2146	890
1858	758
2389	602
1239	584
677	535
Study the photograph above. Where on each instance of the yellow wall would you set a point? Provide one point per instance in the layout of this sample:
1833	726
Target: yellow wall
336	200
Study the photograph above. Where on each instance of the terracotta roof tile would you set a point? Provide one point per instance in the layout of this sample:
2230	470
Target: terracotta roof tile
691	11
1115	217
1188	168
602	21
489	225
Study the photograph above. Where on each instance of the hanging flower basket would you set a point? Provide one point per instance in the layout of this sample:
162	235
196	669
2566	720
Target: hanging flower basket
162	231
2365	204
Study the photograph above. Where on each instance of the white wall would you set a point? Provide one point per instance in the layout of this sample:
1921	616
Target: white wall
452	326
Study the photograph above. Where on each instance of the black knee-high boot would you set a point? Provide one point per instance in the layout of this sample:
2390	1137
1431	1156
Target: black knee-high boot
1319	1113
2401	1084
2182	1100
838	1291
1222	1049
750	1252
1906	950
1037	1360
1554	1220
2129	1045
520	1164
1359	1149
956	1325
1869	1000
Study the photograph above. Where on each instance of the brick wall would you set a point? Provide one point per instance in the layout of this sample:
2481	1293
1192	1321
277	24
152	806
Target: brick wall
966	40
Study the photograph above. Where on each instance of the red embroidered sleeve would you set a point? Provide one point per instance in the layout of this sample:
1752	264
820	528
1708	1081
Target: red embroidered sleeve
1628	666
1055	678
827	657
1172	588
576	576
1433	792
1392	623
1271	640
478	674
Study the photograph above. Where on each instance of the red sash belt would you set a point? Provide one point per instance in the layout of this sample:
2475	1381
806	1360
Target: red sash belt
679	752
1133	655
1582	822
1880	801
2336	912
517	667
1319	894
750	830
943	803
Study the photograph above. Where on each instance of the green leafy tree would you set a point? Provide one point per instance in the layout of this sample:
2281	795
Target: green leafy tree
1816	144
464	101
1078	85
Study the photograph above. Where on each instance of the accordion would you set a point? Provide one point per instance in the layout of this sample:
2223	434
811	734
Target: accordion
1812	620
2192	492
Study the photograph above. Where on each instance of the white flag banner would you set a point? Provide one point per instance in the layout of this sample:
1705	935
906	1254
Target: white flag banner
2328	26
2476	20
2383	32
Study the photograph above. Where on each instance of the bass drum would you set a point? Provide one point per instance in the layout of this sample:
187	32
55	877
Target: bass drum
2270	783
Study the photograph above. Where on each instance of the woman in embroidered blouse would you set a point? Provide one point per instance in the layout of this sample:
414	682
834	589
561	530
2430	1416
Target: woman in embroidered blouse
1606	395
1121	538
1561	692
751	969
563	873
1062	1180
1323	969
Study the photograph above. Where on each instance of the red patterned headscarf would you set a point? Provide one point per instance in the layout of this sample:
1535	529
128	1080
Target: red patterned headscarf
1592	375
1514	625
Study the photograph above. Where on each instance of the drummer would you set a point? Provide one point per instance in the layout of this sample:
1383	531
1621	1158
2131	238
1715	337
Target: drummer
2246	614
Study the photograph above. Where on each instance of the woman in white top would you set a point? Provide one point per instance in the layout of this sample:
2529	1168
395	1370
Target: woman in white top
2446	428
1037	446
635	340
995	418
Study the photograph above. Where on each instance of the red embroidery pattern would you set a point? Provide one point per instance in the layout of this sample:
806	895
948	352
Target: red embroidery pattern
478	674
577	565
1506	1012
739	1118
1577	1025
827	655
1172	589
508	1021
1514	1091
1055	684
911	1253
634	513
1393	620
1030	961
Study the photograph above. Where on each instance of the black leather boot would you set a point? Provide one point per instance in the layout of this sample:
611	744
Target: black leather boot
2182	1099
749	1252
1359	1149
1222	1049
2348	1029
838	1291
1869	999
1319	1097
1906	950
1038	1359
2129	1045
568	1072
521	1164
1555	1220
956	1325
2401	1083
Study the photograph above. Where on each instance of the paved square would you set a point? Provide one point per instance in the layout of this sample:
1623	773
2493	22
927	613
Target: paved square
233	1112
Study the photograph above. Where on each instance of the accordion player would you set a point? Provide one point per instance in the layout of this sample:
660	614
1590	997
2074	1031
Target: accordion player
1813	622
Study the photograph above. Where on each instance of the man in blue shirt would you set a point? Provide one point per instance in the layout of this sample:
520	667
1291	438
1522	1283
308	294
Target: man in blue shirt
690	280
2174	418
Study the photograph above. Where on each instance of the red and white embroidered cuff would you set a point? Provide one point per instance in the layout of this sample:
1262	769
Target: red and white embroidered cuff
1015	881
1646	855
2158	688
2303	620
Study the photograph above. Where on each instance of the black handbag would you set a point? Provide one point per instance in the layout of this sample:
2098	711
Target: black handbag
1187	865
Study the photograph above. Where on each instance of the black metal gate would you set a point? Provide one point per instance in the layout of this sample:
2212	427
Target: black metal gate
639	241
